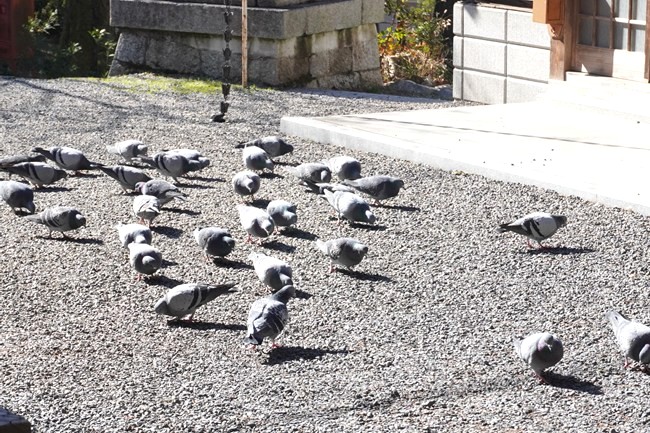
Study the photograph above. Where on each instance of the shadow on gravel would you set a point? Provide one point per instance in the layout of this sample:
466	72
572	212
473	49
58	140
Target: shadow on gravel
267	175
279	246
183	211
52	189
206	326
286	163
170	232
365	276
230	264
373	228
397	207
200	179
261	203
301	294
291	353
161	280
572	382
167	263
73	240
560	251
294	232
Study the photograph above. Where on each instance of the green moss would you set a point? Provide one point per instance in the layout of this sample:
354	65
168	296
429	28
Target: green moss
150	83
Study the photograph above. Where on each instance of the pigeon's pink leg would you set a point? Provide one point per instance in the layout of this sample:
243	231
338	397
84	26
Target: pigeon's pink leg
627	363
331	267
275	345
541	379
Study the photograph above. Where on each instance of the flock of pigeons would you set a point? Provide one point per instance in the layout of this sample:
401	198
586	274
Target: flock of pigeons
269	315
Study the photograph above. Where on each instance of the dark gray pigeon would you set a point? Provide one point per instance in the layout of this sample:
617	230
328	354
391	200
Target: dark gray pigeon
127	177
246	183
193	155
256	159
268	317
128	149
59	219
537	226
256	222
283	213
161	189
633	337
129	233
17	159
344	167
273	272
311	172
184	299
350	206
67	158
17	195
346	252
170	164
539	351
37	173
214	241
274	146
377	187
144	259
320	187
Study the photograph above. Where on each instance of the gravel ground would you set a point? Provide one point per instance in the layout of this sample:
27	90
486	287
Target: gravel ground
417	340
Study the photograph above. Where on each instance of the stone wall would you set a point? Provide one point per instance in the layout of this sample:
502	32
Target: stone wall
317	44
500	54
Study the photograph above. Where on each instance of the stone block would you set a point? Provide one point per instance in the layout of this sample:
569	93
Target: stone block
523	90
485	88
172	54
318	65
370	79
457	81
131	48
293	70
457	18
364	33
333	16
365	55
340	82
340	61
484	55
522	30
264	71
372	11
484	22
528	62
458	51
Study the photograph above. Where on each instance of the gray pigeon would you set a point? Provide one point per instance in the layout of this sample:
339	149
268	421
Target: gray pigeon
539	351
161	189
633	338
171	164
246	183
377	187
144	259
268	317
37	173
17	159
256	222
127	177
193	155
59	219
311	172
344	167
273	145
283	213
128	149
146	208
346	252
17	195
214	241
537	226
184	299
129	233
67	158
271	271
256	159
350	206
320	187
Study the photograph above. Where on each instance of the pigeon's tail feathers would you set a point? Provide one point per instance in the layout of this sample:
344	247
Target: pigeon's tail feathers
321	246
161	307
253	339
95	165
509	227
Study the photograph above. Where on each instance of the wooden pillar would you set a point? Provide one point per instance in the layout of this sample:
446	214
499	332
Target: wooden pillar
646	73
563	40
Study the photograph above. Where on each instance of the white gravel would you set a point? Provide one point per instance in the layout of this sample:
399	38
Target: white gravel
418	340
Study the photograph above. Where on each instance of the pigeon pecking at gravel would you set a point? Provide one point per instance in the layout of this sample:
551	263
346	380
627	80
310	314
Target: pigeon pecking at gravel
128	149
537	226
271	271
146	208
377	187
214	241
311	172
144	258
184	299
633	338
257	223
67	158
539	351
37	173
350	206
138	233
283	213
170	164
246	183
344	167
269	316
128	177
17	195
256	159
273	145
346	252
59	219
161	189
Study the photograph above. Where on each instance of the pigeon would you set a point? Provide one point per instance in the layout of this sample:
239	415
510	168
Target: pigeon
67	158
59	219
144	259
311	172
268	317
540	351
346	252
273	272
17	195
17	159
146	208
171	164
256	159
350	206
377	187
129	233
161	189
537	226
246	183
256	222
633	338
36	173
320	187
273	145
184	299
193	155
282	212
128	149
344	167
127	177
214	241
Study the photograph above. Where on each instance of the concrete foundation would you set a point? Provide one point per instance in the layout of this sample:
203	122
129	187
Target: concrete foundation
329	44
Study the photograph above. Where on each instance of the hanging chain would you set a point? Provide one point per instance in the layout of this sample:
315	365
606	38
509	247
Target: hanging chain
227	53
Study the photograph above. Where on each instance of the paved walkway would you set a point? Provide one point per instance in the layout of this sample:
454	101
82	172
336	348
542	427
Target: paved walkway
600	154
